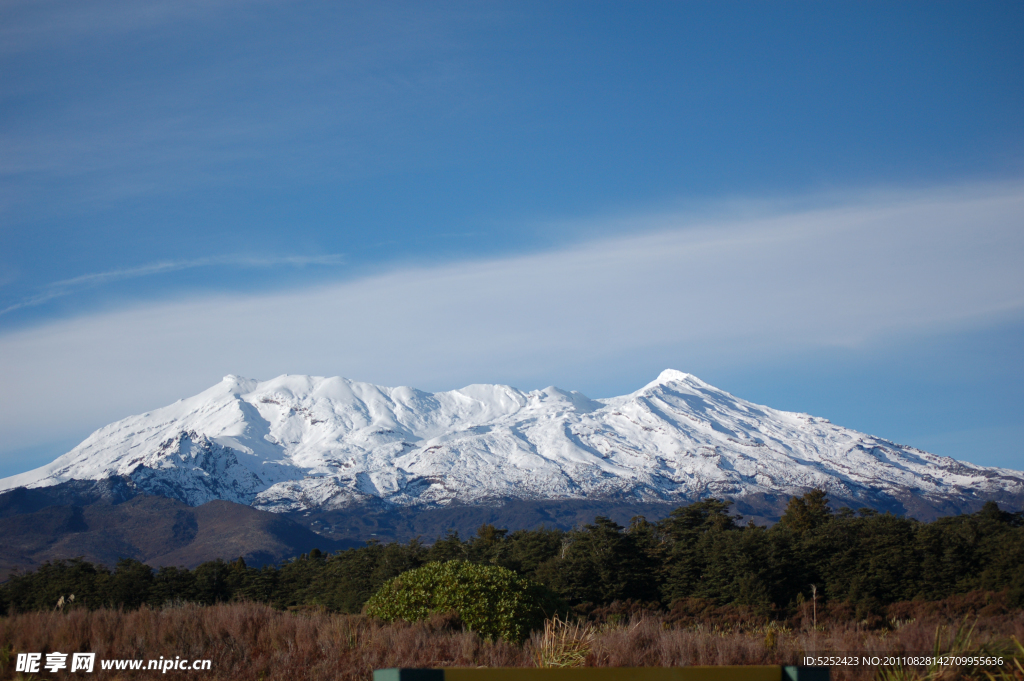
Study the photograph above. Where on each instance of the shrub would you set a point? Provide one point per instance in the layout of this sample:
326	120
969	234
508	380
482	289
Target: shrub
493	601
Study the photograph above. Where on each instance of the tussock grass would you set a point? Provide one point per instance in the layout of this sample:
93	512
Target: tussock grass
563	643
959	644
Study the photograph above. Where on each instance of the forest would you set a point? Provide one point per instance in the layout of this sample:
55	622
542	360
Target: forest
698	557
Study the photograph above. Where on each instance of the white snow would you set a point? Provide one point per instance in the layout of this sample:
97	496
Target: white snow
298	442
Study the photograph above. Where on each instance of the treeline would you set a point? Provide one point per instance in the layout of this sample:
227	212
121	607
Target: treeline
699	553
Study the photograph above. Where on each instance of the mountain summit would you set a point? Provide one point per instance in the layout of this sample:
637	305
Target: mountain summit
298	443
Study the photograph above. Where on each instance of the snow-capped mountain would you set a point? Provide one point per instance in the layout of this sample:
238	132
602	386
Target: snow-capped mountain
302	442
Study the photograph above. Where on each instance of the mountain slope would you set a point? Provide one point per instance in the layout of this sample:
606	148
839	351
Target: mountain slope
154	530
298	443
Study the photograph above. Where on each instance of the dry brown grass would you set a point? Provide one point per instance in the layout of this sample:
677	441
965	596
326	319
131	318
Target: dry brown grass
563	643
250	641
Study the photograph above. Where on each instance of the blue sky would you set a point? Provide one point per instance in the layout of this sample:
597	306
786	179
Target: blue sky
815	206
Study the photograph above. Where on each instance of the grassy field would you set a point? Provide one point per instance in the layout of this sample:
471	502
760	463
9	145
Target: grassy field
250	641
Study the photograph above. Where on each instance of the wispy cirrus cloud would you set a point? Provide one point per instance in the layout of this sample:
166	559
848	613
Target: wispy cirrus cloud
65	287
680	294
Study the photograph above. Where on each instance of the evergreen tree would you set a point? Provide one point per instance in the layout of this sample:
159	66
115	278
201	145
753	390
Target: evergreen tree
130	585
862	558
211	582
172	584
446	548
807	513
602	564
691	533
527	550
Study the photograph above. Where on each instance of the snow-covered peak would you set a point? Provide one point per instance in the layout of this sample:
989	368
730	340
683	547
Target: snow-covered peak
670	376
237	384
297	441
672	379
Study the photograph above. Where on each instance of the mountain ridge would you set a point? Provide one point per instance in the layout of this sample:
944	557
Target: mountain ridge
308	443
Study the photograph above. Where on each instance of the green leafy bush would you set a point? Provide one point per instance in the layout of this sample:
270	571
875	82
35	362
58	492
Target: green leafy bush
489	599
